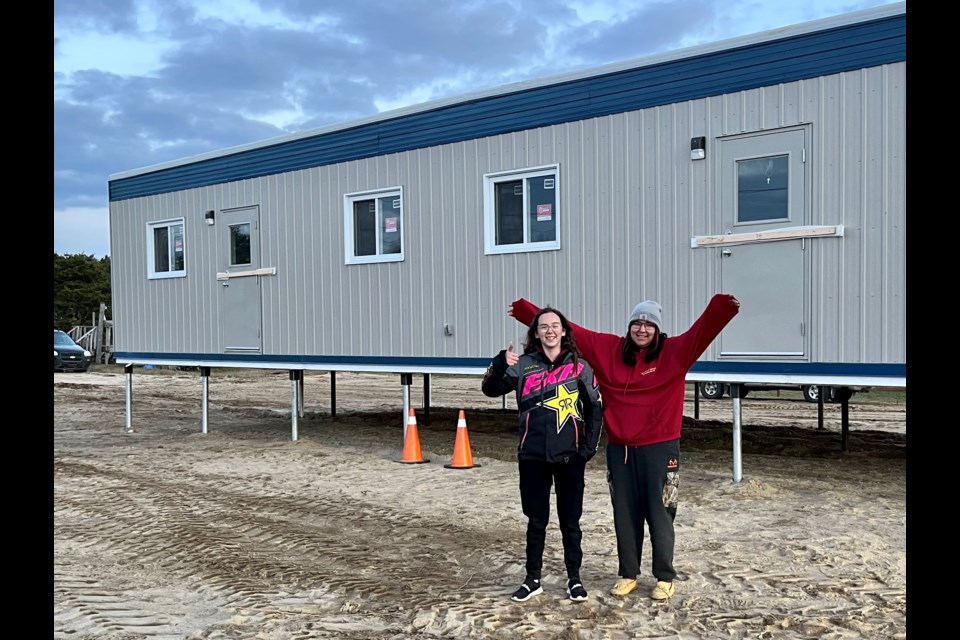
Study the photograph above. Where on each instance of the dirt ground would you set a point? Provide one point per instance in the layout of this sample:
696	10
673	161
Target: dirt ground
244	532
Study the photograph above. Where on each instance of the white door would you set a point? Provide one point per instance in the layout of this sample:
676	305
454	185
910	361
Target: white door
240	286
764	183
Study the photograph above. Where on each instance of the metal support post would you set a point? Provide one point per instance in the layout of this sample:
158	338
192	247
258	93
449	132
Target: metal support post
204	397
737	449
406	379
294	403
333	394
128	371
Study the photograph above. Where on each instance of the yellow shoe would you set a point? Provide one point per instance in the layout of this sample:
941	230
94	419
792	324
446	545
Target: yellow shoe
623	587
663	590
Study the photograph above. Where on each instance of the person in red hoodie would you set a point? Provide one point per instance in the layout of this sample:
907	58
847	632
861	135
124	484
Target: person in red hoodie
642	377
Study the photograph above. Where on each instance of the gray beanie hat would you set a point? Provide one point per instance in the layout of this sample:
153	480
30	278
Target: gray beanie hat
647	311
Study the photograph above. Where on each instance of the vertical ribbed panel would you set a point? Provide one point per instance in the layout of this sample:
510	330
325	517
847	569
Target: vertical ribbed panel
630	201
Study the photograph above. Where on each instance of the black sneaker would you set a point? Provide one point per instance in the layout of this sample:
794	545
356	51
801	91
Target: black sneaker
530	587
576	591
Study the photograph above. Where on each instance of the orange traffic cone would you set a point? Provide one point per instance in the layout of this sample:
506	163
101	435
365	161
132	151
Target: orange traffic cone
462	457
411	442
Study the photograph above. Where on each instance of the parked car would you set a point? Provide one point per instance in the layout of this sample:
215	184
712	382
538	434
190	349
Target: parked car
68	355
811	392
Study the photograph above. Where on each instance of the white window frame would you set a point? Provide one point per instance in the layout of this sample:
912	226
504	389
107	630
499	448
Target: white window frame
490	181
348	228
152	273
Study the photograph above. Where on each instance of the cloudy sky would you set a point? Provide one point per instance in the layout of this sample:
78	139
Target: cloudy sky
141	82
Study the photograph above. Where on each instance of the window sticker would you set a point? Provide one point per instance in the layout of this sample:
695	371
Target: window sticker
544	212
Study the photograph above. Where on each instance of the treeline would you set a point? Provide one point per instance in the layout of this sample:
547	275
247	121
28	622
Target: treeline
80	283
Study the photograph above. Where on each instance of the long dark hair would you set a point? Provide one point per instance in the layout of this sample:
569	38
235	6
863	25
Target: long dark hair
629	350
567	342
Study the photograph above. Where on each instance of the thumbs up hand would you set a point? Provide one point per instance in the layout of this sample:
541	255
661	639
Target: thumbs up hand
512	357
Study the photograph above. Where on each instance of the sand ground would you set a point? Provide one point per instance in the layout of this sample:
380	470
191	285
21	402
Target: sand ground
243	532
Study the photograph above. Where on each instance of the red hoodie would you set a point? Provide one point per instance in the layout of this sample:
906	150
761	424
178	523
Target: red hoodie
643	403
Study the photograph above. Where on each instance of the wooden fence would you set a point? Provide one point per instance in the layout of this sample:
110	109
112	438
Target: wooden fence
97	337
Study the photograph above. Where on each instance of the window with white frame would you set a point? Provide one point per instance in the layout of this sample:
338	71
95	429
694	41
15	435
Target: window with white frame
373	224
165	254
522	210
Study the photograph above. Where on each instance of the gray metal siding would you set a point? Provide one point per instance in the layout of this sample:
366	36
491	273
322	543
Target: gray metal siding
631	199
859	305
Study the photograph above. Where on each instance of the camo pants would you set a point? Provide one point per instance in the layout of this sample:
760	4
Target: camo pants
644	487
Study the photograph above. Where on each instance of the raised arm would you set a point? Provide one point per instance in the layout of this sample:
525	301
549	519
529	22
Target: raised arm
719	312
523	311
594	345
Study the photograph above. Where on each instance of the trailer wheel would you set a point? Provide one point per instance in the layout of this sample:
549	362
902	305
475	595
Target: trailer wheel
711	390
811	393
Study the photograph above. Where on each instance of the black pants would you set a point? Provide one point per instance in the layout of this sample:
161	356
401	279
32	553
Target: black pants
536	479
643	488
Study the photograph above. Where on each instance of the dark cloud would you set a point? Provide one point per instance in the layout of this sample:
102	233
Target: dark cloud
111	16
357	56
264	70
112	124
219	78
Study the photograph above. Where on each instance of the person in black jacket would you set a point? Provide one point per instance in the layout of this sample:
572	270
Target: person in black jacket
561	416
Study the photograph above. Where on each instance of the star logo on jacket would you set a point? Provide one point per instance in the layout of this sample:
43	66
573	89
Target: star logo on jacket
565	404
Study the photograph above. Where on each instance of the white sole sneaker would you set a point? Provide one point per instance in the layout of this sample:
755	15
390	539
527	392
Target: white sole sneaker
524	593
576	598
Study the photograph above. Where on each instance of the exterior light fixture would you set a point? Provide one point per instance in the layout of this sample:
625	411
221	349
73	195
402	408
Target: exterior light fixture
698	148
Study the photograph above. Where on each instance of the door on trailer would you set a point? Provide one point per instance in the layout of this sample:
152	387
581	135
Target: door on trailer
239	283
764	182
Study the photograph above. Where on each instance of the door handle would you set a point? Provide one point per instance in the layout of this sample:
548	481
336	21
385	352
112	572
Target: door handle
726	252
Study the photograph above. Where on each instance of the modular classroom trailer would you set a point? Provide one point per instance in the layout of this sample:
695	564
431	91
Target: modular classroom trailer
770	166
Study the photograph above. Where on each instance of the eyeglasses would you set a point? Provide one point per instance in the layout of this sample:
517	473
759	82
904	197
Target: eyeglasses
556	326
643	325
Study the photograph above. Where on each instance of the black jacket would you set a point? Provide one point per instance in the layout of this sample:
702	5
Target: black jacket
561	412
